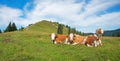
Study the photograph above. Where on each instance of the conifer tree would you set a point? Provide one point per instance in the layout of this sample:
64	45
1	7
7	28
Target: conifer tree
73	30
60	29
69	29
0	31
14	28
9	28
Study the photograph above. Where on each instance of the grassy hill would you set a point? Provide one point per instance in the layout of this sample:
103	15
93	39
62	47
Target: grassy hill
34	44
46	27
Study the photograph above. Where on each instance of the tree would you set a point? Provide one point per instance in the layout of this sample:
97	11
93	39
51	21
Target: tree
21	28
69	29
9	28
73	30
118	35
0	31
60	29
14	28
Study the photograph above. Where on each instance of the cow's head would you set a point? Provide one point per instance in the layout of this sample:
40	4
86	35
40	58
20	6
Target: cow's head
53	35
99	32
71	36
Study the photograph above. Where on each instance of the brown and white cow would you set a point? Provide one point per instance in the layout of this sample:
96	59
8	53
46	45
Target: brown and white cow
92	41
99	33
59	38
95	40
76	39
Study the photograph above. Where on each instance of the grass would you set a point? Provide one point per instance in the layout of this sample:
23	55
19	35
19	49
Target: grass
37	46
34	44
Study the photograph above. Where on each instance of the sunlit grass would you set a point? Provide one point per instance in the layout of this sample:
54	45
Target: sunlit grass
34	44
37	46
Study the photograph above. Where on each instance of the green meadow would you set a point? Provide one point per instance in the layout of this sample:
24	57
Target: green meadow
34	44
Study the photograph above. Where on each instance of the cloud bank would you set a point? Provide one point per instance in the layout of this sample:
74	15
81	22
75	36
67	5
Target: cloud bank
84	15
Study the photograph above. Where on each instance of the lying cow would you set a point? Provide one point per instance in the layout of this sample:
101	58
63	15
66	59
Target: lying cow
99	33
59	38
92	41
77	39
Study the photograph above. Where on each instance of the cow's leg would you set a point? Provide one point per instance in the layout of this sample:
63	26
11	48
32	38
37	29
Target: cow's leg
66	41
100	42
53	41
95	43
89	45
74	43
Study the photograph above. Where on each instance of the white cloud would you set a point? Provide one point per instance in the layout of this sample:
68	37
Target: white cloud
8	14
68	12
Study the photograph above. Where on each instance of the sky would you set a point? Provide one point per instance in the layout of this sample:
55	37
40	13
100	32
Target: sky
84	15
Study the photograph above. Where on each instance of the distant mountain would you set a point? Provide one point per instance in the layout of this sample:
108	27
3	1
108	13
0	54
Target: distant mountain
115	33
112	33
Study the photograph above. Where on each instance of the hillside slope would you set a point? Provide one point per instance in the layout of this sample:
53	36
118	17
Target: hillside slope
46	27
34	44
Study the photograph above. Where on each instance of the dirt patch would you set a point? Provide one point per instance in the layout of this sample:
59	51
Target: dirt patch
6	40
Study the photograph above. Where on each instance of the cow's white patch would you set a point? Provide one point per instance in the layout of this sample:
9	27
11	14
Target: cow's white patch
89	45
84	41
102	31
71	36
53	36
95	43
100	42
66	41
55	42
74	43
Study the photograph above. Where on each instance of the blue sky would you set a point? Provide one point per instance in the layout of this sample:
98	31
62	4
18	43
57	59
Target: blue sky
84	15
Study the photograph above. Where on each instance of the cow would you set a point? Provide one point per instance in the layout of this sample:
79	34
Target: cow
76	39
99	33
59	38
92	41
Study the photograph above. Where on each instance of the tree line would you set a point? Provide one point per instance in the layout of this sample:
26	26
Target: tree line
11	27
70	30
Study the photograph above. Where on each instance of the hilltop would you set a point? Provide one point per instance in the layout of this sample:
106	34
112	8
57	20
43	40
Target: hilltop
46	26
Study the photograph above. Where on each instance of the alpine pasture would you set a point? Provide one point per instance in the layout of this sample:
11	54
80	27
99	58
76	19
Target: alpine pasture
34	44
